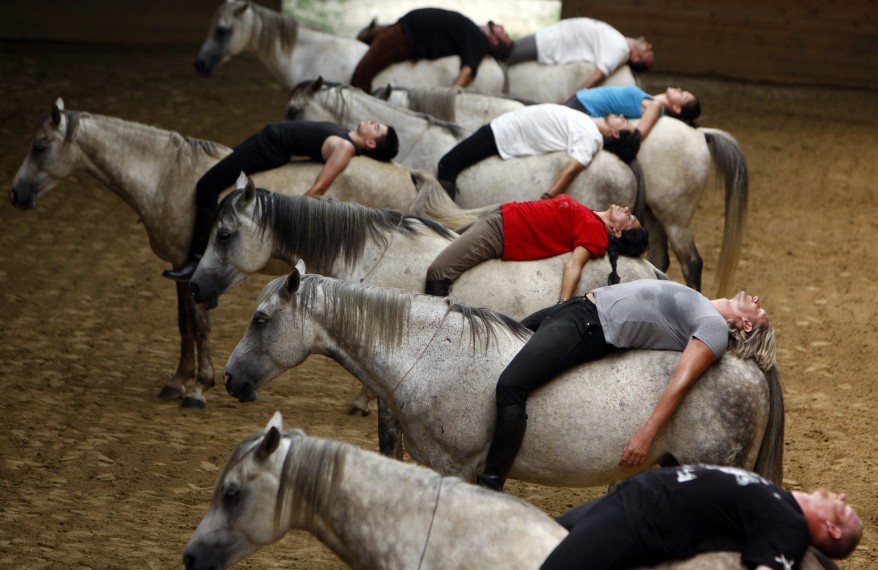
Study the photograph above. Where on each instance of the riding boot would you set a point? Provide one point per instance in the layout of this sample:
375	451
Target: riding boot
200	237
508	435
437	287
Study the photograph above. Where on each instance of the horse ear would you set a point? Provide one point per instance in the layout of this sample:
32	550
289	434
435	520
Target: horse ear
294	279
57	109
317	84
246	184
269	443
276	421
300	267
242	9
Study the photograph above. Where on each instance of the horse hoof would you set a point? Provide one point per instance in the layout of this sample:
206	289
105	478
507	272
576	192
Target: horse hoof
192	403
358	411
170	393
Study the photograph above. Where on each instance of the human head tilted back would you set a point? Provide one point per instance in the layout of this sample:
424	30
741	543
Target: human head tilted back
627	237
386	146
750	332
640	55
499	43
682	105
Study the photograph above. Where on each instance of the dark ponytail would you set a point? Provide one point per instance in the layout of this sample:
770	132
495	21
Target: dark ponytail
632	243
688	112
625	146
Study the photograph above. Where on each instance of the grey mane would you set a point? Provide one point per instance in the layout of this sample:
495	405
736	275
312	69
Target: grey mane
311	475
186	146
377	317
323	232
273	28
339	89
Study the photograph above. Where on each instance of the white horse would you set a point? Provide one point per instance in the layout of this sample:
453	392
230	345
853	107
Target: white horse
469	109
292	53
155	172
376	513
675	161
437	367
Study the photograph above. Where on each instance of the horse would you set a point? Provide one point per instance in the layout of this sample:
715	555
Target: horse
436	365
466	108
675	161
292	52
376	513
155	171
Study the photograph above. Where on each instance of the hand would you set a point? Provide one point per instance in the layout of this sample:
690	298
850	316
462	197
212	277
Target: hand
546	196
636	449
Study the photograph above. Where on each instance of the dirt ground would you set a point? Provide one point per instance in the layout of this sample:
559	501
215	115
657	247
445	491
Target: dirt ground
96	472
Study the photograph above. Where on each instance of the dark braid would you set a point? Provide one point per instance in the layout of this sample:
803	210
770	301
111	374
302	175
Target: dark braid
632	243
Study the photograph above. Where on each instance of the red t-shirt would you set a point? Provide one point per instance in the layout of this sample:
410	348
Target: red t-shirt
544	228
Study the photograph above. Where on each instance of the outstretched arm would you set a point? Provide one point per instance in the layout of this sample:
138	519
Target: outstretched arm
596	77
573	271
464	78
564	179
696	358
650	113
340	153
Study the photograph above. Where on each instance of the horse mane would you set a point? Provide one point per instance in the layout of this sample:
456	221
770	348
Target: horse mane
340	89
376	317
186	146
273	27
311	474
323	232
434	101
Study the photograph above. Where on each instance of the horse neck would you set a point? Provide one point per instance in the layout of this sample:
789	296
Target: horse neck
273	39
362	523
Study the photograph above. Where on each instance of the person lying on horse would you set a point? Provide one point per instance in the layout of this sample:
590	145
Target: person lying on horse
679	512
573	40
634	103
523	231
541	129
648	314
430	33
273	146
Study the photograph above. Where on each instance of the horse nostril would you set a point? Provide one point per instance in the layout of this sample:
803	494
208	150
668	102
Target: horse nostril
193	286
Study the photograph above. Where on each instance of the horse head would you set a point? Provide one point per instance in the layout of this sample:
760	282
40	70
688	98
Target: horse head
265	350
51	158
244	510
302	97
239	244
228	35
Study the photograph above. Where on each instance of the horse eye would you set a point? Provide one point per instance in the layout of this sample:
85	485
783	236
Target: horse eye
223	31
231	494
224	234
40	147
260	319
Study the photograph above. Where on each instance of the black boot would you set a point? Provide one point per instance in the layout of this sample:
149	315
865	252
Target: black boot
508	435
437	287
200	237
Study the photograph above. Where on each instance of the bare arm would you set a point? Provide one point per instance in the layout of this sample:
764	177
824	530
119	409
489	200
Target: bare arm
338	153
464	78
696	358
571	169
596	77
651	110
573	271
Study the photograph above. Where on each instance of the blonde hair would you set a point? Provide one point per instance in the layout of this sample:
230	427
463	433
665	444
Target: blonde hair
758	344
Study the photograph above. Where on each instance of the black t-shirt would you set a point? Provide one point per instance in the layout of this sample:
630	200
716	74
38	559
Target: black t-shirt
433	33
684	511
299	138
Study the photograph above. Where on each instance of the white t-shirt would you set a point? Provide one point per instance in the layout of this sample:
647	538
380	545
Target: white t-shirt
540	129
582	39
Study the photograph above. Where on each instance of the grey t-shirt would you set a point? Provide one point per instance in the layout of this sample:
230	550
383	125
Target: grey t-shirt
659	314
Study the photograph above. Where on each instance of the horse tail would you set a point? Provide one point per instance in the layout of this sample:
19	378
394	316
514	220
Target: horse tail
432	201
769	461
640	196
728	159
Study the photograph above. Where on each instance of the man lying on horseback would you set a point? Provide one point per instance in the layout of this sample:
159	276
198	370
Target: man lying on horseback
522	231
274	146
649	314
680	512
430	33
540	129
634	103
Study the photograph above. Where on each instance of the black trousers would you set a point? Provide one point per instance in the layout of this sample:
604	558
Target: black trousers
269	148
479	146
566	335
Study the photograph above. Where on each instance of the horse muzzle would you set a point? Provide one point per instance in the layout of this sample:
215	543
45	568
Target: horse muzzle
204	66
208	299
22	200
245	392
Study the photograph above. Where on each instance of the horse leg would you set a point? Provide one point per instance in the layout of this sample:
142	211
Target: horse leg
683	245
389	432
361	404
174	389
204	380
658	241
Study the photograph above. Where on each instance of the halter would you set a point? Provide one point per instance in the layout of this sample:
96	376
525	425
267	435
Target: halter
432	519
